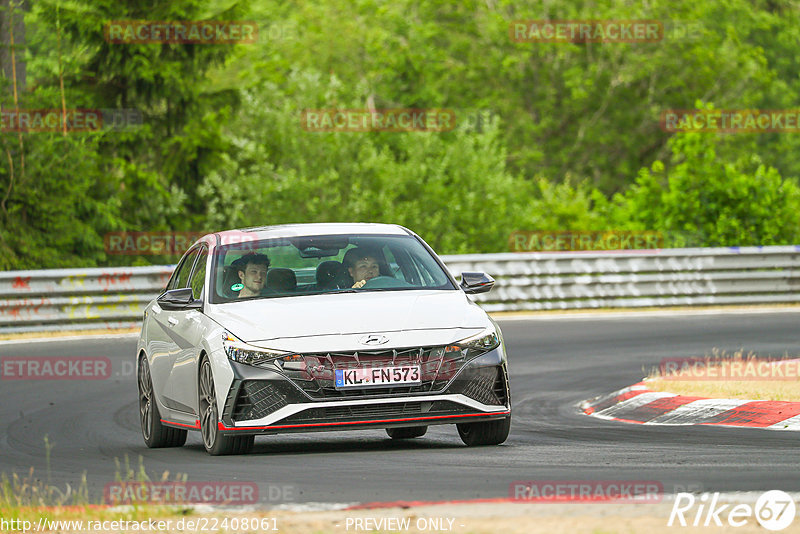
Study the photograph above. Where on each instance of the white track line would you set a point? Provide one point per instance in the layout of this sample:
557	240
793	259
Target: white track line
699	409
793	423
632	403
591	403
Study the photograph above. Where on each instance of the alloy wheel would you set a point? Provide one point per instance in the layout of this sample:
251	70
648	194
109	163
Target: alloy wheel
145	398
208	406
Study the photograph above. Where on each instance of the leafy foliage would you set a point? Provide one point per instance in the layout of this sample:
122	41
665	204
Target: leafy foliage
283	173
550	136
704	201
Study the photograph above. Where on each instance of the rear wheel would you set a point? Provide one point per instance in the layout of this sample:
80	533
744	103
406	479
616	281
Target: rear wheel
488	433
154	433
214	441
407	432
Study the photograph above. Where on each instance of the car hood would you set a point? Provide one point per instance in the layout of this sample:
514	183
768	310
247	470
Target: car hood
348	313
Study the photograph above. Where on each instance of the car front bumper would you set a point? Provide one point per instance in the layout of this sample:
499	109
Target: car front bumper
264	401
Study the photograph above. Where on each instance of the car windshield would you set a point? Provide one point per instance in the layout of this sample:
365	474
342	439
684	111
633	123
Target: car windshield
311	265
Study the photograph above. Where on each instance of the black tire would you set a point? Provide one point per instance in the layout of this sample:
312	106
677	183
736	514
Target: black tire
488	433
154	433
216	443
407	432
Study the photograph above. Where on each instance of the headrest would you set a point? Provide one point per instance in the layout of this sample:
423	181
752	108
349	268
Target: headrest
329	274
281	279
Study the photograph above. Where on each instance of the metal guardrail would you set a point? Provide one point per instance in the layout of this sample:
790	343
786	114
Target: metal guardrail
61	299
115	297
642	278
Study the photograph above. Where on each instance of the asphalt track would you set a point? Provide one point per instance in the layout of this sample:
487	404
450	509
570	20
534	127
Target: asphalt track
554	364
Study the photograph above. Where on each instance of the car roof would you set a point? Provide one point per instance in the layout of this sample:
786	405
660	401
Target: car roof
295	230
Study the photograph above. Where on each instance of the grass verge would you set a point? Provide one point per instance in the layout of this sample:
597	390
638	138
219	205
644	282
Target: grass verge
31	498
729	376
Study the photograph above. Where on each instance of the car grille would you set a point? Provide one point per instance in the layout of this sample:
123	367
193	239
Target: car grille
481	388
256	399
314	373
487	385
379	411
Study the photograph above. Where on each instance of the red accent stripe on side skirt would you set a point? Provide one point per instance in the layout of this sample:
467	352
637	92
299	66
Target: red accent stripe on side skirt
757	414
221	425
195	426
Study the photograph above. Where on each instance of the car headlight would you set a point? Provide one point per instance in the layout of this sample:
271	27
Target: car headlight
480	343
240	352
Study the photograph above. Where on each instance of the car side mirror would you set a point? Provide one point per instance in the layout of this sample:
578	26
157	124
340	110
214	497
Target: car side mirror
476	282
179	299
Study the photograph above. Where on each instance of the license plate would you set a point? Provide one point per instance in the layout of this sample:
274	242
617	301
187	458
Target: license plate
377	376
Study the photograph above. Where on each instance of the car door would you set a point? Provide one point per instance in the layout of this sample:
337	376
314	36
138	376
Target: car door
164	343
187	334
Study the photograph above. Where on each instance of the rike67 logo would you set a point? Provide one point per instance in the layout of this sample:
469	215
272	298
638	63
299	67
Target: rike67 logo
774	510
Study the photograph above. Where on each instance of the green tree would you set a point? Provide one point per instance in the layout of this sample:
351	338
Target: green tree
451	187
181	134
60	195
569	111
57	211
702	200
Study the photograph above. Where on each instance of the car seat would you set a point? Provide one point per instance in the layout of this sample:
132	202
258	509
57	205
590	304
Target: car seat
281	279
332	275
230	277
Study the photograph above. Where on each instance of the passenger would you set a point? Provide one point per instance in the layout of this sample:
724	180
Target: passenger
252	270
362	264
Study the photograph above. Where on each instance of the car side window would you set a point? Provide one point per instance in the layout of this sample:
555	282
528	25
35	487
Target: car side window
199	275
181	277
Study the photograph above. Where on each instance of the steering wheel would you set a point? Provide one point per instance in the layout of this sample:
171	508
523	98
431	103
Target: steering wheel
385	281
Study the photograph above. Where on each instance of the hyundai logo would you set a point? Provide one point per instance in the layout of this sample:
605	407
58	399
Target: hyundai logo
373	340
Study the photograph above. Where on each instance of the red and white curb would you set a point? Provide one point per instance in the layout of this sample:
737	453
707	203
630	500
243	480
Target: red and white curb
637	404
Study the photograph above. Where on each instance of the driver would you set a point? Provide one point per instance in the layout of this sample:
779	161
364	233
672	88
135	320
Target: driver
252	270
362	264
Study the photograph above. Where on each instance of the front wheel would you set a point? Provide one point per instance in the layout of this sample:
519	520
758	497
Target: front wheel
407	432
214	441
488	433
154	433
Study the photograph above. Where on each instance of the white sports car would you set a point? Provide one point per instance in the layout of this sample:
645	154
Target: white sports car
316	327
